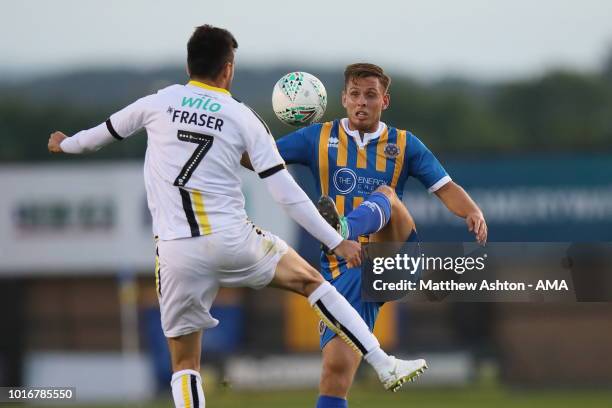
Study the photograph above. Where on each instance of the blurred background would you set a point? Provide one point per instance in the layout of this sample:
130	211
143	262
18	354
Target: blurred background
515	99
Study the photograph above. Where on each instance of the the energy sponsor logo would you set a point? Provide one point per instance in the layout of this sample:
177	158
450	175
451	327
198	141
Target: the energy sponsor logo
346	180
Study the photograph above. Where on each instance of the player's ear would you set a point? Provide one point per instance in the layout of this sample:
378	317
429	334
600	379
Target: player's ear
230	66
227	70
344	98
227	74
386	101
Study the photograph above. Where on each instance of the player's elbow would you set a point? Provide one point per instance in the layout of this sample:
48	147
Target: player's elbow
286	199
284	189
448	187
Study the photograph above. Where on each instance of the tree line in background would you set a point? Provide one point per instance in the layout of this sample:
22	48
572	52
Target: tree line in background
561	111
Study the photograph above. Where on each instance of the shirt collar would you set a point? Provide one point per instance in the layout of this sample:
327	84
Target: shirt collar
208	87
367	137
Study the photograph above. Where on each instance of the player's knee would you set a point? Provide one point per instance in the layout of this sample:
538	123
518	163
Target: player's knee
394	200
391	195
387	191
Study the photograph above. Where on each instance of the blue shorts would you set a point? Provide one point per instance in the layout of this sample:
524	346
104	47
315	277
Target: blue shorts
349	286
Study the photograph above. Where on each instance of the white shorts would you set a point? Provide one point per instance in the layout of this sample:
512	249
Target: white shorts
191	270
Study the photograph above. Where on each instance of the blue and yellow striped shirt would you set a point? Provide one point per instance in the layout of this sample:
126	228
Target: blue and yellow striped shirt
348	173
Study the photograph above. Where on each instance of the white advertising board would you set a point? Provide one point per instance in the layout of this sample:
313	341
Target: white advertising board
93	218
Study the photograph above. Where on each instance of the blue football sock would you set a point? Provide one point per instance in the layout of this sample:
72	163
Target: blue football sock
371	215
331	402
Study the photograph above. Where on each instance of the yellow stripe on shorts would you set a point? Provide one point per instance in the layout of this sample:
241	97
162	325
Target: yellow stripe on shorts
333	265
157	273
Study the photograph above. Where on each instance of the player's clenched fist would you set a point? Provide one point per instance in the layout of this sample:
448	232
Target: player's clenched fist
350	251
54	142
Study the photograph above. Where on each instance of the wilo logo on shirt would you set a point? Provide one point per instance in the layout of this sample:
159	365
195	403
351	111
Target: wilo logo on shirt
203	103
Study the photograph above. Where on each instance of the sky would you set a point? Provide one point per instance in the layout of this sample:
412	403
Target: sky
479	39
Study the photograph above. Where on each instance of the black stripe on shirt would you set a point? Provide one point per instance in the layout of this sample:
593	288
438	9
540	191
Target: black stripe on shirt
191	219
272	170
112	130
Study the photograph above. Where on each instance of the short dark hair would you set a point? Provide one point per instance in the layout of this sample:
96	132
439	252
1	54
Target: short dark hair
363	70
208	50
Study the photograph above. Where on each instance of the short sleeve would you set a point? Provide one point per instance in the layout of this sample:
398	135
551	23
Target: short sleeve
130	119
260	145
296	147
423	165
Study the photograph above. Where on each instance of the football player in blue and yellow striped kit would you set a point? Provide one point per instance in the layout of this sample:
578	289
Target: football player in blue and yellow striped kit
360	166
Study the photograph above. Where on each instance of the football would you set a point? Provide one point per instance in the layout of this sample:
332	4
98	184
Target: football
299	99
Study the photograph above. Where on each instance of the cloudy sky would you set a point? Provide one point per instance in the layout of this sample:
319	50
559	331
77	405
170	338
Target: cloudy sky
488	39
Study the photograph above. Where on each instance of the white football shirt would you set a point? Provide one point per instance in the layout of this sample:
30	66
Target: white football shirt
196	137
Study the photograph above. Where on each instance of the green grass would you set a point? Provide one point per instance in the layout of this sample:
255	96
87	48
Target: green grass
469	397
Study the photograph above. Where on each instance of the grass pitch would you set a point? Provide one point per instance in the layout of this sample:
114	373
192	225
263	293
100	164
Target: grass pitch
371	397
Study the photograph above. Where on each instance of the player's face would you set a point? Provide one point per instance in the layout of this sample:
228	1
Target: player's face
364	100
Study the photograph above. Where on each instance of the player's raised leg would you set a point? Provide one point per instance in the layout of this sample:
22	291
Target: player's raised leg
295	274
339	364
381	214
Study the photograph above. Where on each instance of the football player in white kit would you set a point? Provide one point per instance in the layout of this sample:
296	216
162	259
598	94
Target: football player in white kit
197	134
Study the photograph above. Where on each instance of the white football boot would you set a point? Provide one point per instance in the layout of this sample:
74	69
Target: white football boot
400	371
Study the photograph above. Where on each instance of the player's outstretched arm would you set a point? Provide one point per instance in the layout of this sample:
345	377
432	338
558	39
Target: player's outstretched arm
286	192
84	141
461	204
120	125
